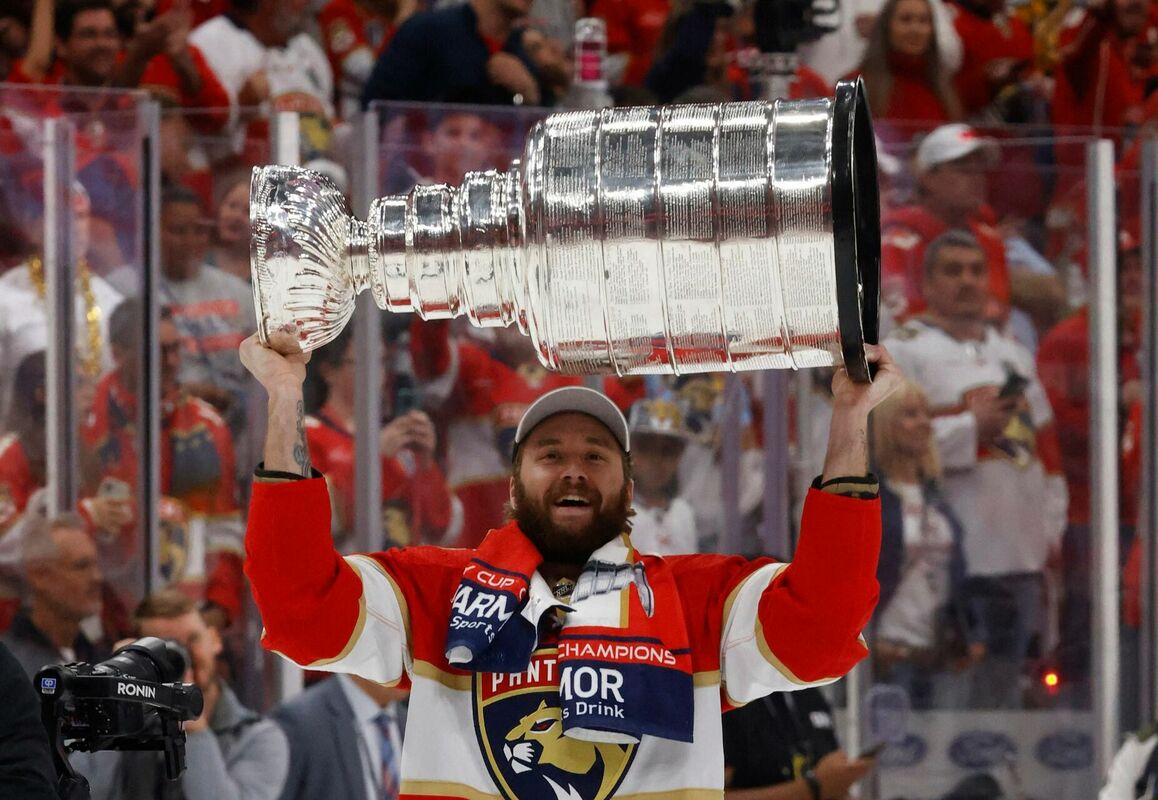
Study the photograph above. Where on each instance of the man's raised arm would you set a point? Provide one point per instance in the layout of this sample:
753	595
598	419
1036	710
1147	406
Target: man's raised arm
800	624
316	606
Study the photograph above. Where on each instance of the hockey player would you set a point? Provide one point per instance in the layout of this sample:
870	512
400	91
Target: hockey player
555	661
481	392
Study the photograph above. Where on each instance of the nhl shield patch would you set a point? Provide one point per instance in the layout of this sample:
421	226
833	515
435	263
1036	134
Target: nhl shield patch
519	725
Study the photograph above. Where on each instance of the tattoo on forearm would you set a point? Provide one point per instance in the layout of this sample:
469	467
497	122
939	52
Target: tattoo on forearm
301	451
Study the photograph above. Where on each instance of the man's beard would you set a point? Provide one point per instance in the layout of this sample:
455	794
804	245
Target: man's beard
569	546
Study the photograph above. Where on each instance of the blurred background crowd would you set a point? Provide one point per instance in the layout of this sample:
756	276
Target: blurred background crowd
982	110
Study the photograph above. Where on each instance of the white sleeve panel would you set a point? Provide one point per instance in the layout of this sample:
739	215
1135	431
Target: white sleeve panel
948	41
748	669
1126	767
379	648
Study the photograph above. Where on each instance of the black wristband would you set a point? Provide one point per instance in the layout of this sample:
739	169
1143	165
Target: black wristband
813	784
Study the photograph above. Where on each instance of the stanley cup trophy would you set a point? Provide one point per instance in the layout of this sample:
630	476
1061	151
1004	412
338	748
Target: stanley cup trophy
665	239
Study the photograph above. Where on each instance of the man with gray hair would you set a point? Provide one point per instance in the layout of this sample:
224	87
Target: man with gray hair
63	580
1002	471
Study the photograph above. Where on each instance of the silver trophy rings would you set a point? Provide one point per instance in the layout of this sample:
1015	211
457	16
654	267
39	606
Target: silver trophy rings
664	239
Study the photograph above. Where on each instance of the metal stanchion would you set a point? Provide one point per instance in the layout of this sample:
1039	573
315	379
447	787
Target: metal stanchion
368	355
62	434
1105	666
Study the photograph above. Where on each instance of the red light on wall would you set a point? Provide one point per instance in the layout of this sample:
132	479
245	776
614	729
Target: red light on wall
1051	679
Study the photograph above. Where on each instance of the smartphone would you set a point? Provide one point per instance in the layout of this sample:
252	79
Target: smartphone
1014	385
406	399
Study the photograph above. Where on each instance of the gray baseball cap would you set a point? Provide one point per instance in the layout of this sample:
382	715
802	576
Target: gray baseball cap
577	400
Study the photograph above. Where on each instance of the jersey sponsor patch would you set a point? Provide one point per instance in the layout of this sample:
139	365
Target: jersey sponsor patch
519	726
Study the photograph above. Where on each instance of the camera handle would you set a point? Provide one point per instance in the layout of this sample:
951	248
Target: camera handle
70	785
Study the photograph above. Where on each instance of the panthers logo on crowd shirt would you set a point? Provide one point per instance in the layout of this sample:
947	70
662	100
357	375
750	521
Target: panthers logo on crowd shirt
519	726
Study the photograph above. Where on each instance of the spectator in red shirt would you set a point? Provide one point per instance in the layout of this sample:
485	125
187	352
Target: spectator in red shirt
999	55
1104	59
1064	367
634	28
417	506
950	166
354	33
15	20
902	69
86	50
197	460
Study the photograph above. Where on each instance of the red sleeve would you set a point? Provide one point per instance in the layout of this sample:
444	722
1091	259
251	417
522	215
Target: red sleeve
15	481
814	611
1063	369
342	32
902	250
16	74
211	100
1077	51
706	584
308	597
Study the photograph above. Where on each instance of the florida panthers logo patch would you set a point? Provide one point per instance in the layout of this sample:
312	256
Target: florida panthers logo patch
519	725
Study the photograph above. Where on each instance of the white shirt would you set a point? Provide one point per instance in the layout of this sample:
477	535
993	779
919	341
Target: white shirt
24	325
1012	510
367	731
924	583
662	532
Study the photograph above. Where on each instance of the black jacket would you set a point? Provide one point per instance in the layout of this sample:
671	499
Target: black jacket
768	739
26	771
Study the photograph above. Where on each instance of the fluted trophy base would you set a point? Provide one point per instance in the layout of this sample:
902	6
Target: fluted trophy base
663	240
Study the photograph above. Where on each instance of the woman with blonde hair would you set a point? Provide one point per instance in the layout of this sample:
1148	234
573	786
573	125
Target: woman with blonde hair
923	639
902	69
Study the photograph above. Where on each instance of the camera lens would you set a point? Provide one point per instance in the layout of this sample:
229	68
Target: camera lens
149	659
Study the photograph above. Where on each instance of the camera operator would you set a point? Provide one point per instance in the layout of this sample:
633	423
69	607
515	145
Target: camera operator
63	577
232	752
25	765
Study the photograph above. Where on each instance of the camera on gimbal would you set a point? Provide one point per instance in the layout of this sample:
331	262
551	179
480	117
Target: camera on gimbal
782	26
133	701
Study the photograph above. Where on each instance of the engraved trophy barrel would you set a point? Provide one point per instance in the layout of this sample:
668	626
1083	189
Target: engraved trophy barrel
666	239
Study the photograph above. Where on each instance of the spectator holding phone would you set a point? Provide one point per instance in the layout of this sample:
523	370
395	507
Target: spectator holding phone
417	506
994	430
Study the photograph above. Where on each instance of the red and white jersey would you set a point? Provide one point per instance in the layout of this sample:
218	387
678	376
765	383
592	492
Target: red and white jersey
1010	496
754	627
299	74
